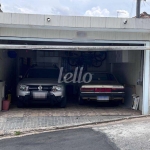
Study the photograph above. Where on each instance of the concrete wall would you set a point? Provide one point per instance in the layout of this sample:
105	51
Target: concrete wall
128	74
74	34
73	27
73	21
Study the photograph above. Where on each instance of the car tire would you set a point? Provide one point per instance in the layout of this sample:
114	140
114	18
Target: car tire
63	103
20	104
80	101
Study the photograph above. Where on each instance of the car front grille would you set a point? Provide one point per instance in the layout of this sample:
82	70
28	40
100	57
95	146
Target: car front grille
37	87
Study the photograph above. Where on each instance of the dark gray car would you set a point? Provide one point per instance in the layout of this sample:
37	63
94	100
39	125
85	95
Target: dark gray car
40	85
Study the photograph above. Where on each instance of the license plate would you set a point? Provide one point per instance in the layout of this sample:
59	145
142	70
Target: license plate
102	98
39	95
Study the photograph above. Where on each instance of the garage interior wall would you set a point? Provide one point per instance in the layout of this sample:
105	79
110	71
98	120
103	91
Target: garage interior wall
128	74
27	54
7	69
47	58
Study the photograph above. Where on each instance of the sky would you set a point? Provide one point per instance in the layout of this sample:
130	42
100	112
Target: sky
99	8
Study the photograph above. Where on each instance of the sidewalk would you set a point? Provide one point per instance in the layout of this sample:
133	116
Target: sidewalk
43	118
131	134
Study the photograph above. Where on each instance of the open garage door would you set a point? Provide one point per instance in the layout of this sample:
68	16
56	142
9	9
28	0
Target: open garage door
120	60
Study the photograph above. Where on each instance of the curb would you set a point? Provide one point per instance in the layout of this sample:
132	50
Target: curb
57	128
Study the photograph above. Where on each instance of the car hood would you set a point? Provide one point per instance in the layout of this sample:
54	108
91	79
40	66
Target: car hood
33	81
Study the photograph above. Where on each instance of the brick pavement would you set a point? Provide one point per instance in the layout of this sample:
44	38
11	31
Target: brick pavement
36	118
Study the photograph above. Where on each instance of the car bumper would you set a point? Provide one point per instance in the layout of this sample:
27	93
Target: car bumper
51	97
25	93
111	96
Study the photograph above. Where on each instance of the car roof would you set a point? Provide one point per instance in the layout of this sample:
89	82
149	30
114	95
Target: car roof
44	68
101	72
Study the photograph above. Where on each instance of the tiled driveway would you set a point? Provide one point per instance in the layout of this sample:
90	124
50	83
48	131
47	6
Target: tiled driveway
37	118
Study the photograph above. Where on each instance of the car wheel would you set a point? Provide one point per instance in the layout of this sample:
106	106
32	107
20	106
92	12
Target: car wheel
20	104
80	101
63	103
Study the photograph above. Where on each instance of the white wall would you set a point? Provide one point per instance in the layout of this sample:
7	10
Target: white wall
128	74
69	27
73	21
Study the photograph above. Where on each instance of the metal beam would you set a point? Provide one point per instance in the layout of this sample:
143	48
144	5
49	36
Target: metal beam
71	40
73	48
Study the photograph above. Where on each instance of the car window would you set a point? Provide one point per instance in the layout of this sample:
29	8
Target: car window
42	73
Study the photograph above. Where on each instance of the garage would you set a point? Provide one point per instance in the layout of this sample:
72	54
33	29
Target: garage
122	63
27	40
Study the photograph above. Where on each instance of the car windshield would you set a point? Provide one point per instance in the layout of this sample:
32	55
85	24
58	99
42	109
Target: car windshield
103	77
42	73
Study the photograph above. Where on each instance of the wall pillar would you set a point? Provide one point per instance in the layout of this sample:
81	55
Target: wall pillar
146	82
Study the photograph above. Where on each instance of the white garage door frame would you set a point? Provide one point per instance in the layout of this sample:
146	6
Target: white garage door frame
146	81
146	48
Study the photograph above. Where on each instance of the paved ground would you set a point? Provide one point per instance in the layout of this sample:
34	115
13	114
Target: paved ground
91	109
128	135
38	118
77	139
124	135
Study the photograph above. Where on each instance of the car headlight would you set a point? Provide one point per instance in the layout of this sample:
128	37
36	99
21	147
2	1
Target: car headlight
56	88
24	88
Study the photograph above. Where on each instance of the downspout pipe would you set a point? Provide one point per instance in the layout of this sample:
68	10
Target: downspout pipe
138	5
